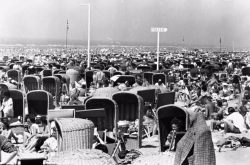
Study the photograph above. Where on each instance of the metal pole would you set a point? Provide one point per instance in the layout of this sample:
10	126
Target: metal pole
158	50
66	38
233	46
89	58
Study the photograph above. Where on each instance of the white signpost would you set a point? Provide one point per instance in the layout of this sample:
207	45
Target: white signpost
158	30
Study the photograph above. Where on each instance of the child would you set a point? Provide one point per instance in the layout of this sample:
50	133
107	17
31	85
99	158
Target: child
176	127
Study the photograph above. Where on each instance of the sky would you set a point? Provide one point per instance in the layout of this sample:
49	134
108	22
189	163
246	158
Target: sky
199	22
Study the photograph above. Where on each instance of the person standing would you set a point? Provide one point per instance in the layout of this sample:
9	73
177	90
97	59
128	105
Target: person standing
100	76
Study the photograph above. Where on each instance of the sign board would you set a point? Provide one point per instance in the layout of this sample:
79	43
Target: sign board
154	29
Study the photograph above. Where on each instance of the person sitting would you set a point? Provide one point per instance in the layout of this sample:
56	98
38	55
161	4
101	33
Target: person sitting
7	146
65	92
37	140
225	93
50	144
74	90
138	82
112	69
7	105
176	127
237	122
6	131
31	130
159	83
74	100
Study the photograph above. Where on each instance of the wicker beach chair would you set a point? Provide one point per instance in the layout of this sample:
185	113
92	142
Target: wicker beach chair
97	116
148	95
157	76
18	103
171	79
75	107
24	69
123	78
138	88
11	65
144	68
45	73
74	134
117	73
60	76
4	67
105	92
39	102
148	76
15	75
165	114
60	113
52	85
39	69
31	83
130	107
81	156
107	74
246	71
111	110
165	99
56	71
4	86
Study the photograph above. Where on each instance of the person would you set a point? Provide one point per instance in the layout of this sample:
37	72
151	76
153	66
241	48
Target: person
74	90
65	92
50	144
32	129
216	121
7	105
6	131
237	122
37	140
138	82
112	69
159	83
100	76
209	107
176	127
225	93
8	147
74	100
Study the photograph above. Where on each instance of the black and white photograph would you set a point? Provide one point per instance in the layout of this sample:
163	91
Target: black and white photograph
125	82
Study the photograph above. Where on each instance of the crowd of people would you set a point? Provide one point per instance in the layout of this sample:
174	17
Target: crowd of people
205	83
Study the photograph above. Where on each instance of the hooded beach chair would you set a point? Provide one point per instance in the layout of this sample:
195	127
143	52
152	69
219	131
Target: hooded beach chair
15	75
157	76
18	103
130	107
165	99
46	73
60	76
148	76
52	85
165	114
31	83
111	110
123	78
39	102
